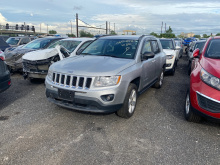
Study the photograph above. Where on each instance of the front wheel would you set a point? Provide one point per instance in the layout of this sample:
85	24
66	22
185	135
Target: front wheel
130	101
189	114
172	72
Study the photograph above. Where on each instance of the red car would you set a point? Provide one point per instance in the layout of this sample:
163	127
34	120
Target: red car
203	96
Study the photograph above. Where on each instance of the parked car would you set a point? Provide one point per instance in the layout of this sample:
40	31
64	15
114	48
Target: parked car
4	37
180	45
203	96
193	46
108	75
14	58
5	80
187	41
37	63
172	54
16	41
3	45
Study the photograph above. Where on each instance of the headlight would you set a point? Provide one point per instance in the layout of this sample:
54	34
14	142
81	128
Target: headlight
107	81
169	57
210	79
50	75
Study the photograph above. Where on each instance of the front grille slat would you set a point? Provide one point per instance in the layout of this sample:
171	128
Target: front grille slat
208	104
66	80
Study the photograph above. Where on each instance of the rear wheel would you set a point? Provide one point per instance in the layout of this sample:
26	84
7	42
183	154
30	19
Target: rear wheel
159	83
130	101
189	114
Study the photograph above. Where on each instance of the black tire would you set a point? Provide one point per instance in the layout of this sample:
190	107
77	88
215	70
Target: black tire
159	83
189	114
124	111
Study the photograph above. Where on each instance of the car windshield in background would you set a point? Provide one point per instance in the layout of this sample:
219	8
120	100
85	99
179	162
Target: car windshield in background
13	41
167	44
189	39
213	50
68	44
37	44
119	48
199	45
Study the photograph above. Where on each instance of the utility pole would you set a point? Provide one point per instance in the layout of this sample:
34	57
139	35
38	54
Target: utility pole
109	28
25	28
77	33
165	27
114	27
47	28
106	27
40	27
162	28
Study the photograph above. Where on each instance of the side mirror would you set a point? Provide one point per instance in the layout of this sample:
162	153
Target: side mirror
147	55
196	53
178	47
191	50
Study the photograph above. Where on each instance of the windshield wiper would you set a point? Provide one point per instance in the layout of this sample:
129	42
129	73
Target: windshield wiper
109	55
86	54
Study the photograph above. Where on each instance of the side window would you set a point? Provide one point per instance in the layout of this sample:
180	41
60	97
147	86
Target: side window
155	46
146	47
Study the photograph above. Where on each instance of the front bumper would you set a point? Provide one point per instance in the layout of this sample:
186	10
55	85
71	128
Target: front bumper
88	100
206	100
80	103
169	64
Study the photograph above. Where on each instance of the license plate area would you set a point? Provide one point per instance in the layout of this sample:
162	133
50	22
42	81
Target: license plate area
66	95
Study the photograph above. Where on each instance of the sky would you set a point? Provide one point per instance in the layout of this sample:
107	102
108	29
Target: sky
143	16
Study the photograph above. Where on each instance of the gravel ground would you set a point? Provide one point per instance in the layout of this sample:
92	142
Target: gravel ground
35	131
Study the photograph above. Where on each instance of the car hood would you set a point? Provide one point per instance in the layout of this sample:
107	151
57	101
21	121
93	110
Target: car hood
168	51
17	52
40	54
92	65
211	65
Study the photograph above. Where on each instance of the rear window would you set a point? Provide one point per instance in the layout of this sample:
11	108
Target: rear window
213	49
199	45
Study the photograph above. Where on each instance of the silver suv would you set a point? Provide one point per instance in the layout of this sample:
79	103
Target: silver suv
108	75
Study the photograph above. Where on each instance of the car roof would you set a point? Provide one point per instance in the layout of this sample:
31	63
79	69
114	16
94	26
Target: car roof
133	37
78	39
166	39
48	38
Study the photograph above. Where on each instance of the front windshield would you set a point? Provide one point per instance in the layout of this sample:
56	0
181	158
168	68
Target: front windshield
70	45
119	48
13	41
199	45
37	44
213	49
167	44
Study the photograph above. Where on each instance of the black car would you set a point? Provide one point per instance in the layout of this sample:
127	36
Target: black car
3	44
5	80
14	58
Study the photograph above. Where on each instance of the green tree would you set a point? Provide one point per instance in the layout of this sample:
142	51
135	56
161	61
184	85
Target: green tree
70	35
169	31
168	34
52	32
205	36
154	34
83	33
112	32
218	34
197	36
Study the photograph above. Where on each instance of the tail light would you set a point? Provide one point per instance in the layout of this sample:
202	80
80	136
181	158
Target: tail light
2	58
9	83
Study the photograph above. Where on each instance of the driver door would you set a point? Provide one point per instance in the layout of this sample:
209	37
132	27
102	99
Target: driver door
148	66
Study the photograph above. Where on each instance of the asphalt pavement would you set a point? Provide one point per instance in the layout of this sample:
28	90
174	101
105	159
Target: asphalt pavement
34	131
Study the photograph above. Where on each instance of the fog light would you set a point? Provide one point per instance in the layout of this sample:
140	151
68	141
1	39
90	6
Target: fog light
107	97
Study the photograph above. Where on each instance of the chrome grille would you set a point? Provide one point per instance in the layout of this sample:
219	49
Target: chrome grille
79	82
208	104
